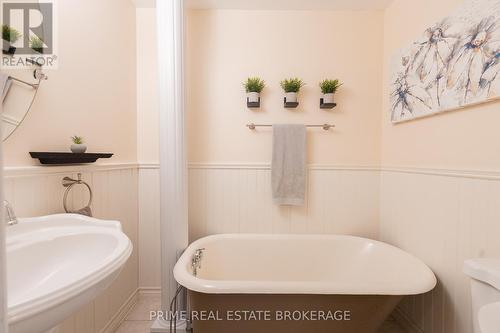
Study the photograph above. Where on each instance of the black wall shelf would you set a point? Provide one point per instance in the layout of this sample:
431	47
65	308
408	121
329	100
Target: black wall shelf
68	158
326	105
290	105
253	105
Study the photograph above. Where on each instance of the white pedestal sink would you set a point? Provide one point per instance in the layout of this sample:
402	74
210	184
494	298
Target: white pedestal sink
57	264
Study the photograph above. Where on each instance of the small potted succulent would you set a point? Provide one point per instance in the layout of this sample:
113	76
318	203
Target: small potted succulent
78	146
328	88
291	87
36	44
9	37
253	87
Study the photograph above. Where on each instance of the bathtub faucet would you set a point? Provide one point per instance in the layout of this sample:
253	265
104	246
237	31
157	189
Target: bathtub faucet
9	215
196	260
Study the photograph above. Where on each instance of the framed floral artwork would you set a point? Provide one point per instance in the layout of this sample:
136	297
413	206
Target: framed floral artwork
454	64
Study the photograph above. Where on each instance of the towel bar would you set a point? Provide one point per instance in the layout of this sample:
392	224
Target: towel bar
326	127
69	183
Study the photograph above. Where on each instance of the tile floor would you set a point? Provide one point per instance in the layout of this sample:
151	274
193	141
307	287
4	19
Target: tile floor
138	321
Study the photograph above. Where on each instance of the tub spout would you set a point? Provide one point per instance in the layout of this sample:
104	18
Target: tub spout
196	260
9	215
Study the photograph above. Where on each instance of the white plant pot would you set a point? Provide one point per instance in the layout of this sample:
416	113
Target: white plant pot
291	97
5	45
253	97
328	98
78	148
8	48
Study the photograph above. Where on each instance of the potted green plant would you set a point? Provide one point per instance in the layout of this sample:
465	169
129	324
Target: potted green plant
328	88
291	87
9	37
78	146
36	44
253	87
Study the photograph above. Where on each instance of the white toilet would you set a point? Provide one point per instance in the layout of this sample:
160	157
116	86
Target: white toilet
485	291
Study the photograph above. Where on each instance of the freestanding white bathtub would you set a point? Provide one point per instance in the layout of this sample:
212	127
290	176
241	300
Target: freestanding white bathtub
297	283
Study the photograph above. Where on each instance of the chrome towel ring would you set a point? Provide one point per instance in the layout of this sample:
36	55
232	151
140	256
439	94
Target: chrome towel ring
69	183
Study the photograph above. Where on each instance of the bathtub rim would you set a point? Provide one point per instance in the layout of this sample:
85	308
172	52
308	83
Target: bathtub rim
187	280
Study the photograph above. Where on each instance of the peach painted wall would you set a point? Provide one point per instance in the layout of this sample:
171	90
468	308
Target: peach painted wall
224	47
147	87
464	139
92	93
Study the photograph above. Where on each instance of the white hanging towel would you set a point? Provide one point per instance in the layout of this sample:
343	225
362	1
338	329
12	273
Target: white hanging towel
288	167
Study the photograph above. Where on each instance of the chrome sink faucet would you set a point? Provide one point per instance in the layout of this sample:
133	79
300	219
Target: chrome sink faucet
9	215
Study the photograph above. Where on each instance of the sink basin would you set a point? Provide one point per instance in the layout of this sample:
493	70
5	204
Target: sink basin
57	264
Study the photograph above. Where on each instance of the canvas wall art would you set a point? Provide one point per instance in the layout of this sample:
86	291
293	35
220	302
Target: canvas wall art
454	64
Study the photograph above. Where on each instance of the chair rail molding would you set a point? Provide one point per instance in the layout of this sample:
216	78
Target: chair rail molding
33	170
23	171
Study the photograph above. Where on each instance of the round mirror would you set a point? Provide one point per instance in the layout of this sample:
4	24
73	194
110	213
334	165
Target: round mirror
18	95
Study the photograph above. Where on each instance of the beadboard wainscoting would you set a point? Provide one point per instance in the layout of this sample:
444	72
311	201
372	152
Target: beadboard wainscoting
229	198
35	191
234	198
442	217
149	227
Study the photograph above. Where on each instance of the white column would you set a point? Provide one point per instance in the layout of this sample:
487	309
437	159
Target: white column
173	165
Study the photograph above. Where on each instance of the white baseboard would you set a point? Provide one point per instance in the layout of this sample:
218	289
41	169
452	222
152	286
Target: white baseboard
149	290
122	313
404	321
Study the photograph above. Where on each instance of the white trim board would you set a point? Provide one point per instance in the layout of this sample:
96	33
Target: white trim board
460	173
34	170
267	166
64	169
463	173
263	166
